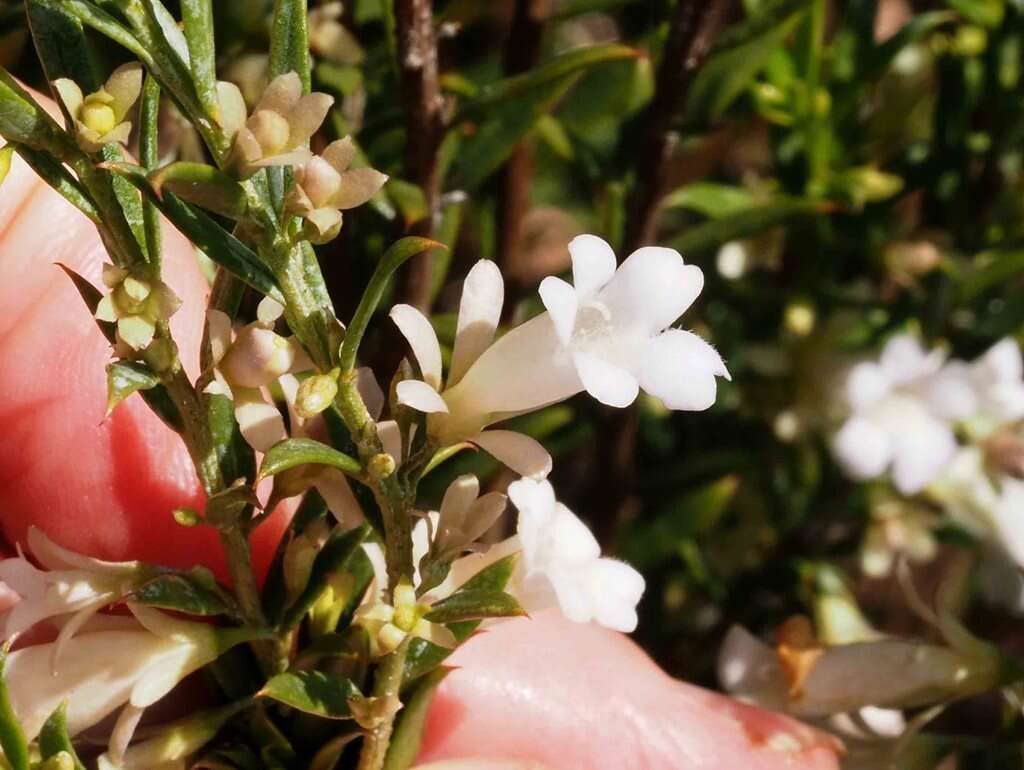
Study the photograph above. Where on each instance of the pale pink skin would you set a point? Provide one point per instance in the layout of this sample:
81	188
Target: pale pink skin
541	690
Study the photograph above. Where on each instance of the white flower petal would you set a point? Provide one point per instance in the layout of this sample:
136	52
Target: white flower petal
652	289
571	540
420	396
862	448
123	732
921	453
269	311
749	669
615	590
334	488
281	94
70	94
519	452
559	299
369	389
1002	362
680	369
593	264
866	384
260	422
458	498
482	515
357	187
232	107
949	392
609	384
125	85
904	359
390	436
422	338
340	153
219	330
483	294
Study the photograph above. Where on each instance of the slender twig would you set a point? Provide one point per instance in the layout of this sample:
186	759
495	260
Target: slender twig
388	682
694	26
424	120
521	52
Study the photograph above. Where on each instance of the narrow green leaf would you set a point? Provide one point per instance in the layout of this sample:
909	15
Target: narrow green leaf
181	593
494	577
574	62
313	692
341	554
729	71
53	737
149	156
204	185
393	258
218	244
294	452
63	48
197	18
57	176
999	267
125	378
128	198
711	199
289	40
712	234
25	122
91	296
408	736
474	604
237	459
107	25
12	738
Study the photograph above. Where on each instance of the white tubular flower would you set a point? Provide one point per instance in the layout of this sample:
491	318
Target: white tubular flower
325	186
281	124
607	335
562	563
479	312
104	670
902	408
136	303
100	117
245	363
997	379
68	584
809	680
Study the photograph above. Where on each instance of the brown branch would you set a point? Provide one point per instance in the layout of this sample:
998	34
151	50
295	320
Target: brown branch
694	26
521	52
424	120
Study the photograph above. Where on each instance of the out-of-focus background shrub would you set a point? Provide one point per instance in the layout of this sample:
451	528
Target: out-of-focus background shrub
841	171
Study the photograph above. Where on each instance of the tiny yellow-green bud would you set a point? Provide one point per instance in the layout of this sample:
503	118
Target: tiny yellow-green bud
315	394
99	117
162	355
970	40
406	609
186	517
59	761
381	466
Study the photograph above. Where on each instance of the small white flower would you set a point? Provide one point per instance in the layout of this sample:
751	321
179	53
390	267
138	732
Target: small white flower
465	516
997	380
68	584
901	408
562	564
607	335
100	117
279	128
479	311
136	302
389	625
103	670
325	186
247	362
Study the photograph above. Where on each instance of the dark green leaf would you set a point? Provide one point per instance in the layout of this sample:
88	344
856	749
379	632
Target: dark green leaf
408	736
149	156
314	692
474	604
12	738
710	235
24	121
289	40
294	452
53	737
127	196
91	296
125	378
342	554
182	593
393	258
203	185
197	19
987	13
729	71
62	46
711	199
107	25
236	457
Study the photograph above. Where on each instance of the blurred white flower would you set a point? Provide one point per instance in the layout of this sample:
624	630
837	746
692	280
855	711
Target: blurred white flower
996	379
103	670
67	584
607	334
248	361
897	527
100	117
901	409
479	312
562	564
732	259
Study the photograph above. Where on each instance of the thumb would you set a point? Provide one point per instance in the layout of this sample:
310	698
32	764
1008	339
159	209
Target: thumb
566	695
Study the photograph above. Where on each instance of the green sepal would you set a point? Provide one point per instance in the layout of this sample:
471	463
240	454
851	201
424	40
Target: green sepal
320	693
125	378
53	737
12	737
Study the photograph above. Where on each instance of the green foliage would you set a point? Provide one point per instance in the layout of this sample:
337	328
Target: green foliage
312	692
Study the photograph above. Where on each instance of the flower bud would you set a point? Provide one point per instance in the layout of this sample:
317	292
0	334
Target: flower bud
800	318
271	131
162	355
257	357
59	761
381	466
98	116
316	394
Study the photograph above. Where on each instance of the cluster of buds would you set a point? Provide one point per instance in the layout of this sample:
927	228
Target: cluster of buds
99	118
137	302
